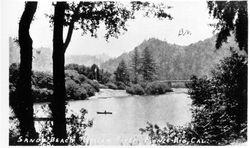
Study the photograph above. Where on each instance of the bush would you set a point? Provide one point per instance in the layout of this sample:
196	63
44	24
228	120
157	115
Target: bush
94	84
90	90
82	78
111	85
120	85
42	80
42	94
77	85
80	93
73	74
155	88
71	87
135	89
102	86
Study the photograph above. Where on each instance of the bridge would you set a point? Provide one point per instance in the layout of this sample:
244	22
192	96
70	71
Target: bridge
175	83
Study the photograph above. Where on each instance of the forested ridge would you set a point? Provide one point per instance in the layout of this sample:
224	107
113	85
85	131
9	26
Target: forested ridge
173	61
178	62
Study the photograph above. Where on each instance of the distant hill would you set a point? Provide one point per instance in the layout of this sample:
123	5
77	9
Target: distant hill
87	60
42	57
178	62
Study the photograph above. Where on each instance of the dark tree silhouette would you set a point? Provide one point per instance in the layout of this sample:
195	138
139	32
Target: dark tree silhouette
88	16
135	65
95	74
121	73
233	16
23	102
58	103
148	67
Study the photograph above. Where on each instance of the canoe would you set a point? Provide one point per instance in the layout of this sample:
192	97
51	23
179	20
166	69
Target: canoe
104	112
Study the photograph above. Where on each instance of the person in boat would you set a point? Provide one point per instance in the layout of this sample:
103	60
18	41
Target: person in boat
105	112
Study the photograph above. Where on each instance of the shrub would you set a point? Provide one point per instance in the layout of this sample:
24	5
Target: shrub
90	90
102	86
71	87
155	88
135	89
73	74
42	80
111	85
82	78
80	93
94	84
120	85
42	94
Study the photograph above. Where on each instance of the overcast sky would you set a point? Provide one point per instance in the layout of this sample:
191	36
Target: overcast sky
188	15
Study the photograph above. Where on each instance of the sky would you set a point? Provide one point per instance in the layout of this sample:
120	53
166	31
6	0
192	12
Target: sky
189	16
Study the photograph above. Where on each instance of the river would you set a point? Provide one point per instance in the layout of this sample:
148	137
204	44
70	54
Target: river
129	113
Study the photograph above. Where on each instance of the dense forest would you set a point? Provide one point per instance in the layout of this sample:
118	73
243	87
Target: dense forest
178	62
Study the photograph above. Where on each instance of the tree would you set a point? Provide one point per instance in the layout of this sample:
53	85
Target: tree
233	16
94	72
88	16
148	67
135	65
220	102
121	73
23	101
58	103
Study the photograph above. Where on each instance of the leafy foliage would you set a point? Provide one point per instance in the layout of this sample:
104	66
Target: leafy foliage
135	89
232	16
83	73
89	16
152	88
111	85
220	102
76	127
77	85
155	88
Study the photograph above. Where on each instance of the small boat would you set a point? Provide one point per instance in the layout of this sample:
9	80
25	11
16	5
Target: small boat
105	112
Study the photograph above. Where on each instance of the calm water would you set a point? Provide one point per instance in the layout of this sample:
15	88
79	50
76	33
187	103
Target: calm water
129	113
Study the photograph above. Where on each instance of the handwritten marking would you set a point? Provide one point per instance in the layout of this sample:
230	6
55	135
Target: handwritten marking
183	32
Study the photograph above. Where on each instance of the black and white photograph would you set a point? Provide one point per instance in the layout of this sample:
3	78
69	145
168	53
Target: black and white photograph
124	73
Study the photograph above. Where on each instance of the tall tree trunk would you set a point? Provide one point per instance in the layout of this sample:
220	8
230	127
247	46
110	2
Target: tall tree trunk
24	108
58	103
